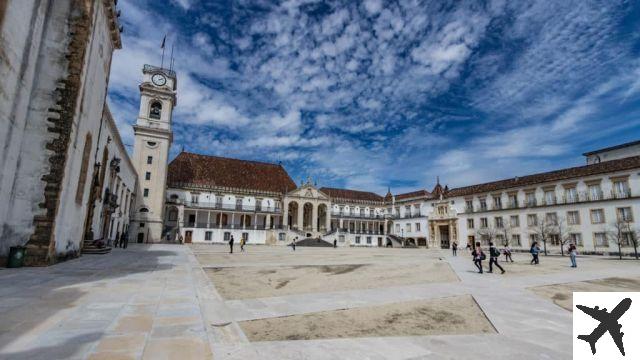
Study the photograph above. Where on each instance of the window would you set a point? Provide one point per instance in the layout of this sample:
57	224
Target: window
397	228
571	195
533	238
145	192
283	236
155	109
515	240
144	210
573	218
227	236
357	239
497	202
597	216
620	189
532	220
147	176
513	201
600	239
207	235
245	237
86	155
484	223
500	239
575	238
549	197
141	224
499	222
341	238
551	218
626	239
485	240
469	223
469	205
594	192
624	214
554	239
417	226
483	204
194	198
531	199
369	240
149	160
514	221
173	215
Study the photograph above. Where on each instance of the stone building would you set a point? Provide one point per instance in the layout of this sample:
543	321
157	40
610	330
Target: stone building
55	63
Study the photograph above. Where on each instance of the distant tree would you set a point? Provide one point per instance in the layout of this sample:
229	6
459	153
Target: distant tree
543	229
505	231
488	232
563	231
617	234
634	241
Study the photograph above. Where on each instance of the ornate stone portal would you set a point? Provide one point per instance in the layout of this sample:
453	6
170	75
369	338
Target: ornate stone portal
306	210
443	226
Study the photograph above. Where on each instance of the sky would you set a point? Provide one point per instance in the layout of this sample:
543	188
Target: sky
374	94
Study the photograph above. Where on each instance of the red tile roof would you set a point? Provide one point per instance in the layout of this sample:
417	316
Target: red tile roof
557	175
212	171
413	194
351	194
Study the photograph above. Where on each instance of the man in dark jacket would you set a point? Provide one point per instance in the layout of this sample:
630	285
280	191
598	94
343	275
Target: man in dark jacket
231	245
494	254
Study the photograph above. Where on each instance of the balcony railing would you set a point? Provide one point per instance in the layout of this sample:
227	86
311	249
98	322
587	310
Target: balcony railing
584	196
233	207
356	215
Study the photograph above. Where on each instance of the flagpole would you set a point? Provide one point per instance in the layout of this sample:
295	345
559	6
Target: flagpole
171	58
162	46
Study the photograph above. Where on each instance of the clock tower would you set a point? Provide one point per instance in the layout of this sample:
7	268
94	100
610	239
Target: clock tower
153	138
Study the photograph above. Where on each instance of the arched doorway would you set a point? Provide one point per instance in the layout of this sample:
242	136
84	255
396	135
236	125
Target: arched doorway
322	218
293	215
307	216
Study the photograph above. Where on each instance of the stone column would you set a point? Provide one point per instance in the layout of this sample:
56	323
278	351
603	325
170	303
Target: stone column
314	218
285	214
327	219
255	221
208	219
300	217
233	220
267	222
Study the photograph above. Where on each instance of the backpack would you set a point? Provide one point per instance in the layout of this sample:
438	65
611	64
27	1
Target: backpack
494	252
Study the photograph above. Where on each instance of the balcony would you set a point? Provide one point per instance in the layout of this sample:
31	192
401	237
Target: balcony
356	215
233	207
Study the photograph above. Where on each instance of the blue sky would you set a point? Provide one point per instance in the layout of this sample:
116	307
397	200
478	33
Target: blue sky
371	94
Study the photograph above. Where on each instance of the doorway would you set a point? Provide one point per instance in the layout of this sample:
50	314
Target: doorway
140	238
379	242
471	240
444	236
187	237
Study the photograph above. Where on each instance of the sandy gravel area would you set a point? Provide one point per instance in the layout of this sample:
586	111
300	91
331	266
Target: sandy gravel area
453	315
562	294
245	282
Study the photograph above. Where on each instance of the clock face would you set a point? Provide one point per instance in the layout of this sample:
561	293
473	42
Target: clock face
159	79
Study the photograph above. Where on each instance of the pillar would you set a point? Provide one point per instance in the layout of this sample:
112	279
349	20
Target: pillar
314	217
267	222
233	220
285	216
208	219
327	220
300	224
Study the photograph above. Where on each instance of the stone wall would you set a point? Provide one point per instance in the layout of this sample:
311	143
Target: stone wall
50	50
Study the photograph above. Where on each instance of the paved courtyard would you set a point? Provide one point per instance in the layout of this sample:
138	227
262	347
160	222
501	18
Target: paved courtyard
171	301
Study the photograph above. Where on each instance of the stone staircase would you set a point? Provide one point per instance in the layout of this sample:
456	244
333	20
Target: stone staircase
94	247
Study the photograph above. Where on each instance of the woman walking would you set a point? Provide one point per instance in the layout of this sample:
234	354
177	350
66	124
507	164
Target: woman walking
242	242
478	256
573	252
535	251
507	253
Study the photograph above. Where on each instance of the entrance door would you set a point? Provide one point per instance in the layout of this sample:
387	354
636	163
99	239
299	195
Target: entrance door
187	237
140	238
379	242
471	241
444	237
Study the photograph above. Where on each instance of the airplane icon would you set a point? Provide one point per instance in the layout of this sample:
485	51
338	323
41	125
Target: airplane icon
608	322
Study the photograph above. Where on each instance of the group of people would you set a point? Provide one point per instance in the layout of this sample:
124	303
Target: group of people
121	241
242	244
494	254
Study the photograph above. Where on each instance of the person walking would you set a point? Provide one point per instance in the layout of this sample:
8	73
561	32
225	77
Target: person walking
125	240
231	245
293	244
116	243
494	254
573	252
242	242
535	252
454	248
507	253
478	256
335	243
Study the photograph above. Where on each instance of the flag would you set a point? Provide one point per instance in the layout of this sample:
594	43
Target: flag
163	40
